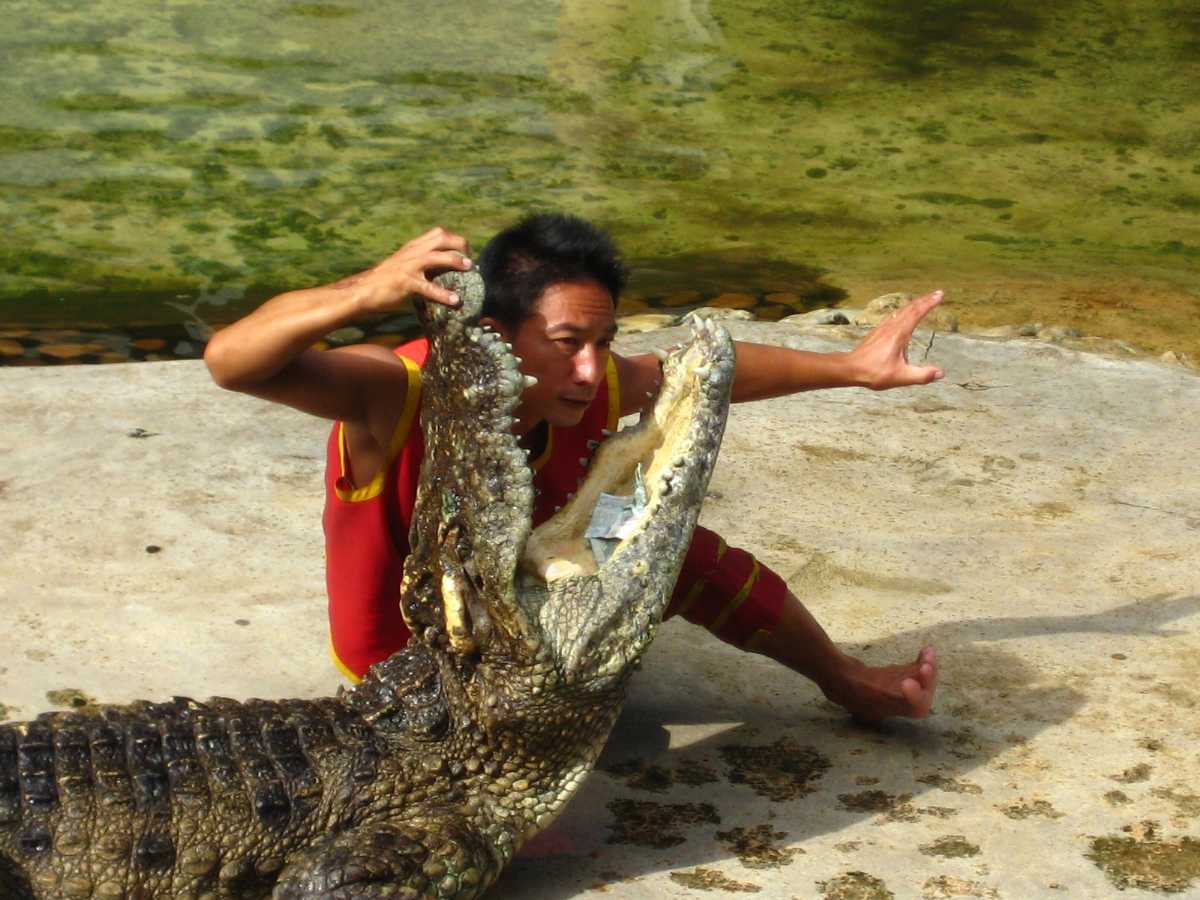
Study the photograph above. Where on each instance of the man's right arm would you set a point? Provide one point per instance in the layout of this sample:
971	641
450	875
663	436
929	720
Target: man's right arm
268	353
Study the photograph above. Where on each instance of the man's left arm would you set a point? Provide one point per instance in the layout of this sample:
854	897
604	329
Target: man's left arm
879	362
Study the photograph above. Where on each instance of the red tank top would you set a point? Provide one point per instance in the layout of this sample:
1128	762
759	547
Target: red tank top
366	528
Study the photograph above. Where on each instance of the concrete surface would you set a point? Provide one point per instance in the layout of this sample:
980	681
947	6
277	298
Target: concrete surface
1036	516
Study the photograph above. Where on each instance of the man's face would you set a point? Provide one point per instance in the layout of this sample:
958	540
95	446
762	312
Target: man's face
564	344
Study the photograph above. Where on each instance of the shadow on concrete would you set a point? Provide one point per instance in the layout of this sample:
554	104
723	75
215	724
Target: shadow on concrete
716	752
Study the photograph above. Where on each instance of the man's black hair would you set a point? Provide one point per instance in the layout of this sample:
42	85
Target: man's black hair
541	250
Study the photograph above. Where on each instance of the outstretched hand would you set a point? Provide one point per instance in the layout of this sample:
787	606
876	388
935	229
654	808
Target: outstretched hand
882	357
410	270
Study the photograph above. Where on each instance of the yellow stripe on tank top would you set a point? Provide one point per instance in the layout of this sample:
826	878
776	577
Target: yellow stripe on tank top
412	404
614	395
341	666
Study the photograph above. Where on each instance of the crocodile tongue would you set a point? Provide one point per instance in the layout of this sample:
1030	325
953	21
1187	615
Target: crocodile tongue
478	574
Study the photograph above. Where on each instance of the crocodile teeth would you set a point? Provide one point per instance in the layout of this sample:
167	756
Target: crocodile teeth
661	353
529	381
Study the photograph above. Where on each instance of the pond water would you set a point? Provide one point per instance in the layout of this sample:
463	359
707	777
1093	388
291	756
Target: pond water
174	163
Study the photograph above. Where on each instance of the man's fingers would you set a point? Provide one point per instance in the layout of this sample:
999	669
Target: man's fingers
441	239
436	293
915	310
444	260
926	302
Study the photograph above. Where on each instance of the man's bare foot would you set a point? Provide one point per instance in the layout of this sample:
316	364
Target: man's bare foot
874	693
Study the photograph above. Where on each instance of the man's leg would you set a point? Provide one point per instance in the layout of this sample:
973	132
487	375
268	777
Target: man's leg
869	693
729	592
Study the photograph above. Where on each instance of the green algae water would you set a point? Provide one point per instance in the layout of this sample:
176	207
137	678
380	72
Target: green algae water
178	162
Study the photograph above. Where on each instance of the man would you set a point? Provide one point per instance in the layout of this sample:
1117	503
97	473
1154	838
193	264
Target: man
552	286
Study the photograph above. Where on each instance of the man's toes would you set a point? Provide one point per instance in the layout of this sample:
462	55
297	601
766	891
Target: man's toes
918	696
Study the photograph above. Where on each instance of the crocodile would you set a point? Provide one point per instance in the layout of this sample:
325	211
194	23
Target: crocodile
423	780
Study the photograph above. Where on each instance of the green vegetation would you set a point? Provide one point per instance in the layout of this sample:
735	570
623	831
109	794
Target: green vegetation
830	150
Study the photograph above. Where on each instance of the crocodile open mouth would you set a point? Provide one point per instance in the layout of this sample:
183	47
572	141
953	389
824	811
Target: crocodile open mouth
478	569
636	471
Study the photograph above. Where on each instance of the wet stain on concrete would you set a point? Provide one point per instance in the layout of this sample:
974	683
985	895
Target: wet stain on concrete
72	697
950	785
897	807
1141	859
1025	809
780	771
952	846
832	454
1178	696
963	743
893	807
1134	774
641	777
700	879
941	887
610	877
658	779
657	825
757	847
695	773
1186	805
854	886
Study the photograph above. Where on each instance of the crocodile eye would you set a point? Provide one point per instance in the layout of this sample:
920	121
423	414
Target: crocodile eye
35	840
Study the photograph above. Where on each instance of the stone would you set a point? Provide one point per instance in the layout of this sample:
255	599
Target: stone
638	323
69	351
1054	333
1003	332
889	302
711	312
818	317
632	305
1175	358
1106	346
680	298
733	301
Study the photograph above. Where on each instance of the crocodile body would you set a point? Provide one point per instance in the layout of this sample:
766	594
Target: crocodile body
425	779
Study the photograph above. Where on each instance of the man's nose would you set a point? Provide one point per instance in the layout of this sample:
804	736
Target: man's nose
589	366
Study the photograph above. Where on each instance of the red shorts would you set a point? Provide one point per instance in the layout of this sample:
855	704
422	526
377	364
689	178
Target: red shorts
727	591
